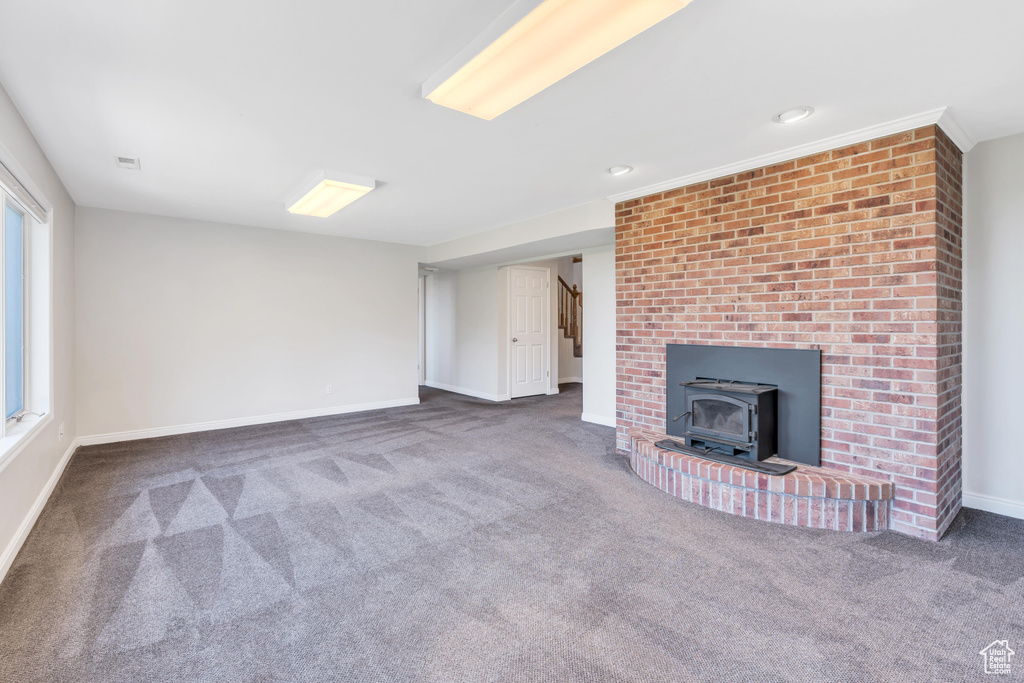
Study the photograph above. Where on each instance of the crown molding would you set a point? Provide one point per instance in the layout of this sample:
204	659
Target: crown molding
940	117
960	137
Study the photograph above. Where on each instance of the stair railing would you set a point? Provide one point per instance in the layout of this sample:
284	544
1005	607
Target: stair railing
570	315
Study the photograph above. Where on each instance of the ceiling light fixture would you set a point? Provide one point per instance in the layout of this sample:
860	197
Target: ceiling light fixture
620	170
535	44
329	193
793	115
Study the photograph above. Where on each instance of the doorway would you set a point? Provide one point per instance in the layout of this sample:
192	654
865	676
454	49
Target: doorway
422	362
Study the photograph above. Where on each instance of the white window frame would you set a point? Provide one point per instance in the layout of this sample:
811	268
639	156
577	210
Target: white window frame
37	331
6	200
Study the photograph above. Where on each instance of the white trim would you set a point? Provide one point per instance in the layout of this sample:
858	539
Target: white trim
598	419
22	178
939	116
21	435
468	392
960	137
241	422
552	392
11	551
569	380
1000	506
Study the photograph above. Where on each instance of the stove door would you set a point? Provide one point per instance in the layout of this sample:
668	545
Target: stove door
717	415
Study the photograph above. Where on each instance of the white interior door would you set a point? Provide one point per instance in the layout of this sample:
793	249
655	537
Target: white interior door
528	331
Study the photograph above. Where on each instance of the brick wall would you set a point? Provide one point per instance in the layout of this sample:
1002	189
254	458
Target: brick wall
949	354
855	252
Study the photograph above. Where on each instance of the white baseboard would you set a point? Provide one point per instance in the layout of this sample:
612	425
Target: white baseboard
242	422
569	380
1000	506
598	419
468	392
11	551
552	392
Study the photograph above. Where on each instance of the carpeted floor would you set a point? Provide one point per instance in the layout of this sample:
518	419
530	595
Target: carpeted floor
462	540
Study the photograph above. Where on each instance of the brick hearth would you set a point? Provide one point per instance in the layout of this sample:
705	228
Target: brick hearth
812	497
855	252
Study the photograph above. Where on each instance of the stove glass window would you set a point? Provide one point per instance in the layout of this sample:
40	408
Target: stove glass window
718	416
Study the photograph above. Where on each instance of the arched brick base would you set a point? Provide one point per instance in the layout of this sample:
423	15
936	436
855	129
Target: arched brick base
809	497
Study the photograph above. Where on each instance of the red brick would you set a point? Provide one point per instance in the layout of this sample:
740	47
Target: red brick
788	257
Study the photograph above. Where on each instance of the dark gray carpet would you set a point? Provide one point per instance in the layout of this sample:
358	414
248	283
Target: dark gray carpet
462	540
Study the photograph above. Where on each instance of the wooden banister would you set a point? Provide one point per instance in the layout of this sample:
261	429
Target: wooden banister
570	315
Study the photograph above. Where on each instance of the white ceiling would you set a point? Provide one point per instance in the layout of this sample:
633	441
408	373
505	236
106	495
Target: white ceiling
231	104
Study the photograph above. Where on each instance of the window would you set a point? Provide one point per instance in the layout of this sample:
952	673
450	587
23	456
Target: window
13	310
26	300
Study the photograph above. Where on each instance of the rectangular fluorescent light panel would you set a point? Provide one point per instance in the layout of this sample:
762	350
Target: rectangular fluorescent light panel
552	41
329	196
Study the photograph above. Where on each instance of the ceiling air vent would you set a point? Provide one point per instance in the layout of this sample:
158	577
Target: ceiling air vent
127	162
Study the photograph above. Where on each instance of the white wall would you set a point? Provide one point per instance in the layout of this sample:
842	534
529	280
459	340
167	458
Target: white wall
599	335
27	478
462	332
587	221
993	467
570	367
467	330
183	324
583	228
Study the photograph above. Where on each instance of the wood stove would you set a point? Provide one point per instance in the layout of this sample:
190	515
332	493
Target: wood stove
745	403
729	418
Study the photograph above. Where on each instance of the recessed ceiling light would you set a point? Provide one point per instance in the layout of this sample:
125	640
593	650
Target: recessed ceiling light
620	170
329	193
539	48
793	115
131	163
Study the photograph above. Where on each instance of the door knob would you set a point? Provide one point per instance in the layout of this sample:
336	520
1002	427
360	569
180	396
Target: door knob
514	340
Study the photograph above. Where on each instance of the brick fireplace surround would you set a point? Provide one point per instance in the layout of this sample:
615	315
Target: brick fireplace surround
856	252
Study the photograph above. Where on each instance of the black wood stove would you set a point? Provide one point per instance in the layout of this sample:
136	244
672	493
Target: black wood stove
728	418
742	405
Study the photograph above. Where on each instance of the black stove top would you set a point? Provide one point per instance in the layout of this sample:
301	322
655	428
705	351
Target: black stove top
719	385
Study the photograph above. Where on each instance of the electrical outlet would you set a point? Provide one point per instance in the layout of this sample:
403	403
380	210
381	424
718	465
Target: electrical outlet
60	432
330	388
